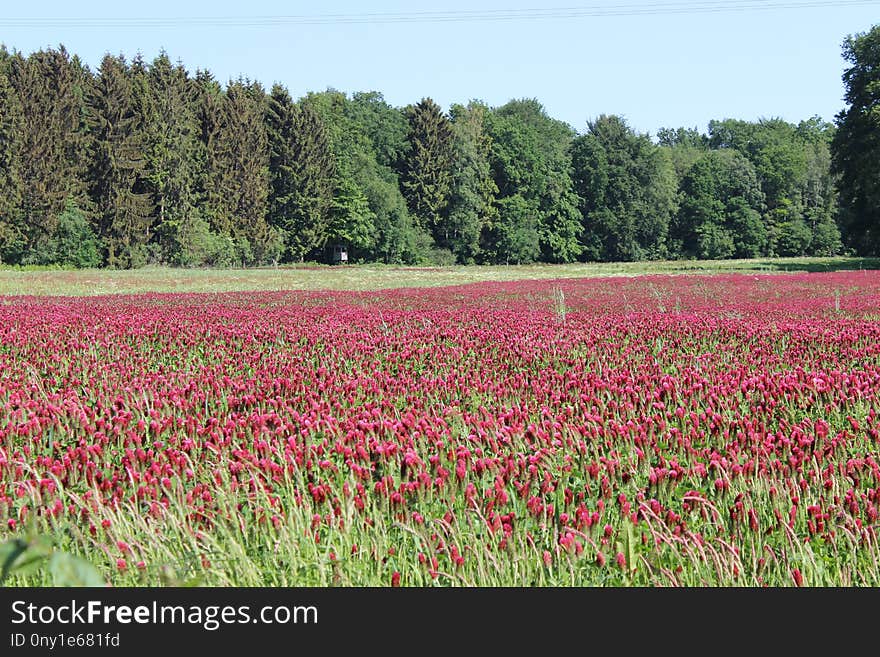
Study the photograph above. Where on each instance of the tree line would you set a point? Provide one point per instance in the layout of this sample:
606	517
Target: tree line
142	162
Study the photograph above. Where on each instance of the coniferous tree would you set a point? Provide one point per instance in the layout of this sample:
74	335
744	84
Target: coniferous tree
426	170
54	143
143	162
118	184
302	173
282	206
12	233
244	149
210	109
173	157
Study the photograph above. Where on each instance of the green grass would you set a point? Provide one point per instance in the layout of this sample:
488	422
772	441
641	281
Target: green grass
238	552
375	277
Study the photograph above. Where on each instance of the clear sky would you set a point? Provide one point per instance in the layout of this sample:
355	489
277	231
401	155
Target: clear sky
659	70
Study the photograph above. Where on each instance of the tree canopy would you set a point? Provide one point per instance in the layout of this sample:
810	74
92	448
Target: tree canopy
143	162
857	143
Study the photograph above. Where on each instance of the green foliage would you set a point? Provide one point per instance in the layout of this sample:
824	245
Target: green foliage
396	238
196	245
302	174
714	241
826	238
471	205
74	243
792	164
69	570
627	187
12	229
794	238
532	167
173	153
178	169
26	555
352	220
71	244
684	147
245	177
437	257
747	228
690	137
720	209
426	167
385	126
856	144
54	141
517	237
369	212
214	168
119	179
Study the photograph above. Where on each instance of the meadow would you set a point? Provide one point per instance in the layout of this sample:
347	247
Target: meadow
677	428
91	282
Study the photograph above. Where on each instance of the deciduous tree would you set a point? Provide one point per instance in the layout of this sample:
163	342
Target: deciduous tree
857	143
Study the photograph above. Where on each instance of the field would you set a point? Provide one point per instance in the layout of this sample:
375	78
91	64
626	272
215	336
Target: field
376	277
619	430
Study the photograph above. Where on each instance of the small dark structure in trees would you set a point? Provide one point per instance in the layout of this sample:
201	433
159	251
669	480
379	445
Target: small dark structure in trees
338	253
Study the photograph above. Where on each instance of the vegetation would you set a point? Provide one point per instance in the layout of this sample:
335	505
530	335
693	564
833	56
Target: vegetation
857	143
160	166
664	430
52	281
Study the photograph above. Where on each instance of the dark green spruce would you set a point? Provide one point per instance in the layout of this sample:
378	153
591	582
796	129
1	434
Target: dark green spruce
301	170
426	168
55	145
119	186
12	230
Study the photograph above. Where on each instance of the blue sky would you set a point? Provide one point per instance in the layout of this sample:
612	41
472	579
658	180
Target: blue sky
663	70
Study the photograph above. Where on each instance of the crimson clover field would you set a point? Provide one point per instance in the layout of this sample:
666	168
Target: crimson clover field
658	430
